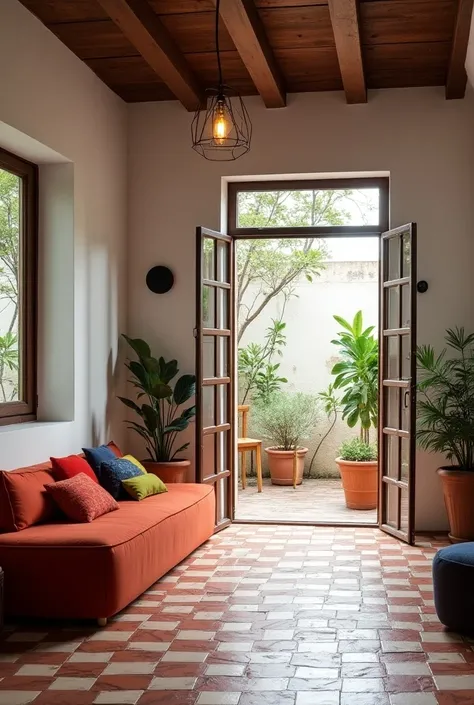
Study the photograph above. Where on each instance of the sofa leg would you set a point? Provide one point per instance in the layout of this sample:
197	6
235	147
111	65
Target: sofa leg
102	621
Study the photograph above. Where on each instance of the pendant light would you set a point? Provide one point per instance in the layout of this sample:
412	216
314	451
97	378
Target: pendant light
221	132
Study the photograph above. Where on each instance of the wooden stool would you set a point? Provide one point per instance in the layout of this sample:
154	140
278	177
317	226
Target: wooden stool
245	445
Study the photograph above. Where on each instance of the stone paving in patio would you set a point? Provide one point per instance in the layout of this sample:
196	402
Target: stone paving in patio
314	500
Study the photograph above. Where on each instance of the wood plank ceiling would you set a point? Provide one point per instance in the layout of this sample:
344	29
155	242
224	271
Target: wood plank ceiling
148	50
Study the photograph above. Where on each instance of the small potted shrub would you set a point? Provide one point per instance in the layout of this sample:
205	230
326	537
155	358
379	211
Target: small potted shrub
358	466
445	415
356	375
161	415
285	419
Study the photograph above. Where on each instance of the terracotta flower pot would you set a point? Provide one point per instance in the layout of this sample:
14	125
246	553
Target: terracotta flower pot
280	464
458	489
175	471
360	483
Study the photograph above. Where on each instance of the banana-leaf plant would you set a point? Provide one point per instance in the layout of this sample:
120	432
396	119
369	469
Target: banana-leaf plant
357	374
159	403
445	408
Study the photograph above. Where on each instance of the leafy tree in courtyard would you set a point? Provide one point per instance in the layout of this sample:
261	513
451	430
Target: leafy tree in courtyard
268	268
259	375
9	278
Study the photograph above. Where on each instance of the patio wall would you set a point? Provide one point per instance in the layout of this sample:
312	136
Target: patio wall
343	288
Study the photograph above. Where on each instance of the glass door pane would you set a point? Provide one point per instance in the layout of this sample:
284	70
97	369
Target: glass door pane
398	377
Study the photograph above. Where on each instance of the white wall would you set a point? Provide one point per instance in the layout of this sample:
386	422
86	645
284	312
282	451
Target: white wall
424	141
342	289
54	110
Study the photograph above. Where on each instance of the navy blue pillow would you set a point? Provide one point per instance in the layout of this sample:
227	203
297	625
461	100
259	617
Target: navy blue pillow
112	472
96	456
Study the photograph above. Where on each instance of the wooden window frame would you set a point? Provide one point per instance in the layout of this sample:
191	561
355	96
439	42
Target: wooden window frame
25	410
380	182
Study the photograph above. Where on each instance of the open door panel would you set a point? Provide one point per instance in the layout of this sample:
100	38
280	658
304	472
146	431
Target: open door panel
397	407
214	369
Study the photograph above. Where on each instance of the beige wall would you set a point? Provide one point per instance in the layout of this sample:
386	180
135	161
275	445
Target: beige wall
424	141
54	110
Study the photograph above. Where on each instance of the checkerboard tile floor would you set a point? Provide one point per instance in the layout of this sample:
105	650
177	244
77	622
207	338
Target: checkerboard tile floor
269	615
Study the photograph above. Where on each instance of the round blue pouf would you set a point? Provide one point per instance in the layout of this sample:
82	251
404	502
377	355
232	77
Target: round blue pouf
453	585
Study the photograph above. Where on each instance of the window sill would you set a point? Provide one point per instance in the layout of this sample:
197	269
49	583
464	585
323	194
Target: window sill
32	425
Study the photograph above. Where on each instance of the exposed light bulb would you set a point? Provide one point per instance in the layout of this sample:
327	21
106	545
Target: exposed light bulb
220	125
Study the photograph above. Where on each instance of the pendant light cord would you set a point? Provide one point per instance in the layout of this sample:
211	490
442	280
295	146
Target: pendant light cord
219	67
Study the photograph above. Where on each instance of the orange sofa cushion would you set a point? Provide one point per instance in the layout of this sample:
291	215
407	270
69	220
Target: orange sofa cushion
23	499
100	567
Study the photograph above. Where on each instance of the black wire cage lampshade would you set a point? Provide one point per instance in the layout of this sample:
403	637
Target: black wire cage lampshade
221	132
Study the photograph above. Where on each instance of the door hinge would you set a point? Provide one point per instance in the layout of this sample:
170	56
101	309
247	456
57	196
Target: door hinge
195	332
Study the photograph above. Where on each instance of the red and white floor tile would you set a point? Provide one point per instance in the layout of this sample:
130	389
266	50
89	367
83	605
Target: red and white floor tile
260	615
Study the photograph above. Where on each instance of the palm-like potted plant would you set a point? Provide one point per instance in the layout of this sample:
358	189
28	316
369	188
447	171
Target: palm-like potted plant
286	419
445	414
356	375
161	415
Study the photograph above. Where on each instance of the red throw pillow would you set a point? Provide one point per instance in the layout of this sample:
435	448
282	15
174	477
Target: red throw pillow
24	500
115	449
70	466
81	499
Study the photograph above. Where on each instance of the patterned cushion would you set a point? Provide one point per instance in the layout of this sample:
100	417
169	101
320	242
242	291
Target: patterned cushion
71	465
81	499
96	456
144	486
112	472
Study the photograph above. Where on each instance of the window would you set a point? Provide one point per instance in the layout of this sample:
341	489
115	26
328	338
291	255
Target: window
18	289
336	206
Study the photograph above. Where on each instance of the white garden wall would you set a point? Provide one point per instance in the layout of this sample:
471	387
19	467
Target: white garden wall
308	357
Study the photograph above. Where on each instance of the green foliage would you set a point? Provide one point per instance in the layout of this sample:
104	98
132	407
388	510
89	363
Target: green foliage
357	374
161	418
258	374
9	282
272	268
358	451
445	407
286	419
9	350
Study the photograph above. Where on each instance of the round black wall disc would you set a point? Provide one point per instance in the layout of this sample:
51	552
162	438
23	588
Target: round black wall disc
159	279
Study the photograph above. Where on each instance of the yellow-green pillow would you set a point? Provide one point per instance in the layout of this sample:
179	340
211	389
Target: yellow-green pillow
136	462
143	486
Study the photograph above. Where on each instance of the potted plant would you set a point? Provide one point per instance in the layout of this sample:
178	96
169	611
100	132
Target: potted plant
357	376
285	419
358	466
161	416
445	414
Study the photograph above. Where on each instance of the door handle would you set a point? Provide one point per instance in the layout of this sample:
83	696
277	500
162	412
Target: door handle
406	398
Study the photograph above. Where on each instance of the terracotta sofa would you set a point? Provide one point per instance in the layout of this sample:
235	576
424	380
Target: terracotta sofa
66	570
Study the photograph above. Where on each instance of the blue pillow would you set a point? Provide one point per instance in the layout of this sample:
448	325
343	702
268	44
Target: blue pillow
96	456
112	472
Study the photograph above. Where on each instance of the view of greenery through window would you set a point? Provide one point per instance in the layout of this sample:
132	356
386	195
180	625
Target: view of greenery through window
10	191
272	267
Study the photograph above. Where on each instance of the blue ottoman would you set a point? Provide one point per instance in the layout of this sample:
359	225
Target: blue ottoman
453	584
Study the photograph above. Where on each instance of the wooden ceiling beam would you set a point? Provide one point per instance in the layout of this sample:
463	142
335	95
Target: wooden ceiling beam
345	24
144	30
456	78
244	25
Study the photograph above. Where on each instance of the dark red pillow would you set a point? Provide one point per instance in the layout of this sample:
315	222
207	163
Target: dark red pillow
70	466
81	499
115	449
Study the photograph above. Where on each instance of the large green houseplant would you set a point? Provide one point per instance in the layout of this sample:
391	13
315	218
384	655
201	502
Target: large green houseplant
356	375
445	416
159	408
286	419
